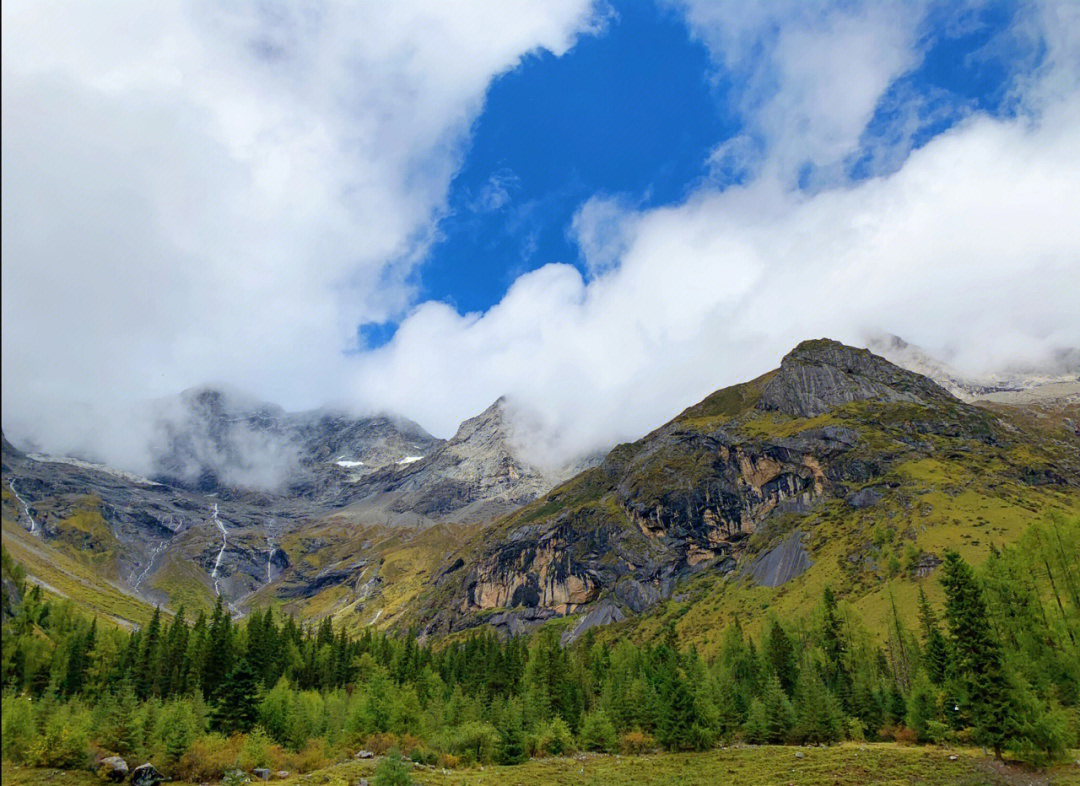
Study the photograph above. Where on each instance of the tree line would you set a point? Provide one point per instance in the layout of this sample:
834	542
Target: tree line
996	665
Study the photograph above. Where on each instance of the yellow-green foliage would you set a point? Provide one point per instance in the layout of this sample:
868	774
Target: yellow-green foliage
66	577
185	583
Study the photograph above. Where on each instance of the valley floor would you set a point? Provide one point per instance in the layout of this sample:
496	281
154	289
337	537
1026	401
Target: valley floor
838	765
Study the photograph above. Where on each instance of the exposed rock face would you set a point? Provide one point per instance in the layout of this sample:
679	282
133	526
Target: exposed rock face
782	563
210	440
819	375
474	476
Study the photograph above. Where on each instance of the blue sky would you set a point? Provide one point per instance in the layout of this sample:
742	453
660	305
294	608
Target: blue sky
635	112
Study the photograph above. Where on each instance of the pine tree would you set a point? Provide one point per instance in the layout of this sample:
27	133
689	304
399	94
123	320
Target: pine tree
935	648
977	659
512	735
238	702
678	717
780	653
820	718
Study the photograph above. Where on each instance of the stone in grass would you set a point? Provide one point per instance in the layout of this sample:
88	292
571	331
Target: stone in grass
146	775
282	774
262	773
365	755
113	768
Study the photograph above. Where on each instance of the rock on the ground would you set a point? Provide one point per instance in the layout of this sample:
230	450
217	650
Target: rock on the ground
114	768
365	755
282	774
262	773
146	775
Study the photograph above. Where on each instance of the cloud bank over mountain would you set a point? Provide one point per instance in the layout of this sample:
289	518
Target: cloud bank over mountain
224	193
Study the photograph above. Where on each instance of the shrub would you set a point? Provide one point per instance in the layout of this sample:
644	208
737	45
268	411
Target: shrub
476	741
597	732
448	761
636	742
259	750
423	756
209	758
380	742
19	728
393	771
312	756
65	740
556	738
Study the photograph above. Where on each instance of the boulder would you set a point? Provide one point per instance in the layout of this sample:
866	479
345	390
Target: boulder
146	775
365	755
282	774
113	768
262	773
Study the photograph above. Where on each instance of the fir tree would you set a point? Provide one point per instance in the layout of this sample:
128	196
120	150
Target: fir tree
977	659
935	648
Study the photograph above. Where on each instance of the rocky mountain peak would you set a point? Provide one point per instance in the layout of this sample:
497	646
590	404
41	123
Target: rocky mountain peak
821	374
489	427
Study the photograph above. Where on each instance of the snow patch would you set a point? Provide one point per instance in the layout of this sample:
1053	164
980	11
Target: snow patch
410	459
347	463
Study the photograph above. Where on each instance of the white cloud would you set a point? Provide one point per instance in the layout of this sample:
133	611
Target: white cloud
970	249
313	168
218	191
808	76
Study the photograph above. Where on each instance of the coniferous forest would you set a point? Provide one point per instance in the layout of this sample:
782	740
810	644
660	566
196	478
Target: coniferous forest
997	664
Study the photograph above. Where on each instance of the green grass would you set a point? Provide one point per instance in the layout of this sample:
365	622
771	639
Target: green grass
840	765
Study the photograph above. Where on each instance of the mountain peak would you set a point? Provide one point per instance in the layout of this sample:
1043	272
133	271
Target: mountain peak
820	374
491	424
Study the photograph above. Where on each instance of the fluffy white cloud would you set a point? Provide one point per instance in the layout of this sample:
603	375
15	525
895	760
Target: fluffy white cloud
969	249
219	191
807	77
232	195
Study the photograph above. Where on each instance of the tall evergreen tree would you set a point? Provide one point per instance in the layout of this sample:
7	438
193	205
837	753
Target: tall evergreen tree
977	660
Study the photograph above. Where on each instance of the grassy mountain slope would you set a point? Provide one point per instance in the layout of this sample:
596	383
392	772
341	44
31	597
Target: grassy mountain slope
838	468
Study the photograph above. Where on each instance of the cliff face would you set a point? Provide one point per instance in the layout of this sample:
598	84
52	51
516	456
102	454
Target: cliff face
753	459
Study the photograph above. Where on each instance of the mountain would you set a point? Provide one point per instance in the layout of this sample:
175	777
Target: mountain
1058	380
475	476
837	467
196	529
209	439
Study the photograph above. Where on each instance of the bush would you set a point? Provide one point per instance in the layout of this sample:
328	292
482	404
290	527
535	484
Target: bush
449	761
393	771
209	758
476	741
259	750
313	756
636	742
423	756
65	740
597	732
556	738
381	742
19	729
